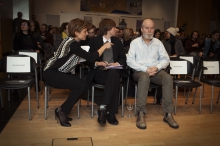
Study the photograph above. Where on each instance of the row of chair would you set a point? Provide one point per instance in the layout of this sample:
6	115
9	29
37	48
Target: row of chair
30	68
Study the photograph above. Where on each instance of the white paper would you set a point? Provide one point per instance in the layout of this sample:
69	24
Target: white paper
86	48
212	67
18	64
114	67
178	67
189	58
32	54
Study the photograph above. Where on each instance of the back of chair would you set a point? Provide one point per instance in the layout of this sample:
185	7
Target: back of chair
212	67
181	66
18	64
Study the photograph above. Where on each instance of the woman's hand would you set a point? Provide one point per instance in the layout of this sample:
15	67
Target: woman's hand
114	64
108	45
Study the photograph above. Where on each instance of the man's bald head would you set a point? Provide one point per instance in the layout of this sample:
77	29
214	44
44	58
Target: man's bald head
147	29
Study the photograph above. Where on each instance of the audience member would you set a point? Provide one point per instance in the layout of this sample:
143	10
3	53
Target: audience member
91	33
173	45
110	78
63	33
36	35
57	70
157	34
45	35
193	46
127	39
16	22
23	40
211	47
148	57
37	25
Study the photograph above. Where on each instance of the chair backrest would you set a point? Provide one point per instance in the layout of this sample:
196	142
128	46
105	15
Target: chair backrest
212	67
189	58
30	53
15	64
181	66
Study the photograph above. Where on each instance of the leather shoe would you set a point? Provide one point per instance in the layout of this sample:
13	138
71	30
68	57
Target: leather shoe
102	116
140	121
112	119
168	118
61	117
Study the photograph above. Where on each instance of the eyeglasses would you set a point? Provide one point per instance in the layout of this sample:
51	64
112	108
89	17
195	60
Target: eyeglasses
24	24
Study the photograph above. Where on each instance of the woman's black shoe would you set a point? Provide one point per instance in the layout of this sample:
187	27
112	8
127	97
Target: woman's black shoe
61	116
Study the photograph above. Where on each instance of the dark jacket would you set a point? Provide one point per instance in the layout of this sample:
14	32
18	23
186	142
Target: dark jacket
178	47
118	54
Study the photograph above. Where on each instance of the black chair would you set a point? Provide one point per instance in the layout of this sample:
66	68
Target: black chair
12	65
135	83
100	86
184	67
211	67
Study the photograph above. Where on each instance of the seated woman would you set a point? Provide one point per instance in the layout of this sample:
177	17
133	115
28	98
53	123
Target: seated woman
193	46
157	34
24	40
58	68
172	45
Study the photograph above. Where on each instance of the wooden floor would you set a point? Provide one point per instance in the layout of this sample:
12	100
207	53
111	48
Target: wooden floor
195	129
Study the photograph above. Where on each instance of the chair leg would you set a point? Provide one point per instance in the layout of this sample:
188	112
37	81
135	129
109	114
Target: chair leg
37	97
200	99
135	100
155	96
176	100
187	96
45	102
194	97
122	101
1	98
92	112
78	105
212	99
9	95
218	97
29	103
126	96
88	99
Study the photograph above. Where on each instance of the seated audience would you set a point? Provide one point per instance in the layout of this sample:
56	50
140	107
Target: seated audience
157	34
23	40
172	45
211	47
57	70
126	39
148	57
110	78
36	35
193	46
45	35
91	33
63	33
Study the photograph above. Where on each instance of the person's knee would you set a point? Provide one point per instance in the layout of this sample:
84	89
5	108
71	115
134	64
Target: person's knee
83	86
144	77
167	79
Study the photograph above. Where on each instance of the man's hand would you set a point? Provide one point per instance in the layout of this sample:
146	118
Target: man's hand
201	54
195	45
211	54
152	70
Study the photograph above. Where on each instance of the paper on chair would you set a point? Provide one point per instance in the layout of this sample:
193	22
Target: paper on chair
114	67
86	48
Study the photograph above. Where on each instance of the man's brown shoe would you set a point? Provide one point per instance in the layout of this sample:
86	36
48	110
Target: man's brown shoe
168	118
140	121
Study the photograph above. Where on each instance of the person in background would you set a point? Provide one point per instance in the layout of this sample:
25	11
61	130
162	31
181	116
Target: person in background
57	70
211	47
91	33
148	57
127	39
63	33
45	35
36	35
157	34
16	23
173	45
37	25
24	40
193	46
110	78
117	34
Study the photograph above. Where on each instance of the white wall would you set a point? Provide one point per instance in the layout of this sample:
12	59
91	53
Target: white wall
21	6
160	10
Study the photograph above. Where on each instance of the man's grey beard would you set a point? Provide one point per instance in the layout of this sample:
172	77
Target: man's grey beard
148	36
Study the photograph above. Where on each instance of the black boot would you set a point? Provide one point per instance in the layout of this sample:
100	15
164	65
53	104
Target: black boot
62	117
68	118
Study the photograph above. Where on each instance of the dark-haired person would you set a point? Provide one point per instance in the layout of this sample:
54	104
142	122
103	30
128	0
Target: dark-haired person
211	46
57	70
45	35
63	33
110	78
16	23
35	33
193	46
157	34
91	33
24	40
